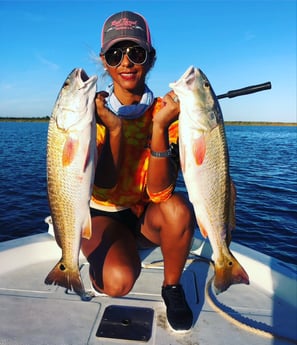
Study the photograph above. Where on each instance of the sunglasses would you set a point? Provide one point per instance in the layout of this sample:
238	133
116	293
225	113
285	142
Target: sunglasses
136	54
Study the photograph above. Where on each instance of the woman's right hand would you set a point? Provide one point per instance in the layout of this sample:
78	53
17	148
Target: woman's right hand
108	118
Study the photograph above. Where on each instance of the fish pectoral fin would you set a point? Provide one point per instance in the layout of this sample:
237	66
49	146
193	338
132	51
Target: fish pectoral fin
88	159
202	229
69	150
87	228
199	149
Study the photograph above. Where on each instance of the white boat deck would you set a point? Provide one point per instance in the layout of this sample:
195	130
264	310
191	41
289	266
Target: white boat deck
32	313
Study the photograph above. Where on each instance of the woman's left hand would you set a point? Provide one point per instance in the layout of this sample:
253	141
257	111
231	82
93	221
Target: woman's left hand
170	111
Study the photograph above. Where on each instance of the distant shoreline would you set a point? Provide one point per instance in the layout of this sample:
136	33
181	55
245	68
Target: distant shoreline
24	119
232	123
259	123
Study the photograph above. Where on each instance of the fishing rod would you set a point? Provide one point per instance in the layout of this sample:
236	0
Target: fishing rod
246	90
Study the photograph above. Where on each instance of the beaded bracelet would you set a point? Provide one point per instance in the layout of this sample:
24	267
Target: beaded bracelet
162	154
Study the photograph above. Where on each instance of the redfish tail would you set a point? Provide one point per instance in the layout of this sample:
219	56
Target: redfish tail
228	274
66	277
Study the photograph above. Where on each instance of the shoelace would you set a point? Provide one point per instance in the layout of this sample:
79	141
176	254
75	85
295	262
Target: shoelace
176	298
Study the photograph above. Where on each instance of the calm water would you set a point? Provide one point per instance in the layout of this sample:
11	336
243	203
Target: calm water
263	167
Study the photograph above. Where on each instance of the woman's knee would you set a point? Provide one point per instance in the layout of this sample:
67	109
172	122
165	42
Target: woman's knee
174	216
119	281
180	210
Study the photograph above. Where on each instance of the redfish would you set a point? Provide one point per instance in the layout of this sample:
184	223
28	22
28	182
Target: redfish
205	167
71	159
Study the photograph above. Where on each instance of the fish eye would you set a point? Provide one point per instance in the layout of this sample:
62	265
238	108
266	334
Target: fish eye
212	115
206	84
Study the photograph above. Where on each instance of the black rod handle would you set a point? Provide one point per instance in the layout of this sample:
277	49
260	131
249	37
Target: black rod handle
246	90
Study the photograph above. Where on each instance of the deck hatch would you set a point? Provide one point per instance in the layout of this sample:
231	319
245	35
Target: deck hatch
129	323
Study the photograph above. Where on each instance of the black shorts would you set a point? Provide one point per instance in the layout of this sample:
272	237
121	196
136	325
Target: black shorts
129	219
126	217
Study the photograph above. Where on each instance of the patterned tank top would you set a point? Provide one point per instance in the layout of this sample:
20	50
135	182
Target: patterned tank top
130	190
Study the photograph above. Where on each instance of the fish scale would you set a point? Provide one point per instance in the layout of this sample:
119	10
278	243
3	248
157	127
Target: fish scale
216	190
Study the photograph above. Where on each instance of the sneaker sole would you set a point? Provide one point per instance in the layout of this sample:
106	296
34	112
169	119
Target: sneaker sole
179	331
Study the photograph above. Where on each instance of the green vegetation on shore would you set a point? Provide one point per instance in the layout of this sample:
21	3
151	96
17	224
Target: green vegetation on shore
25	119
232	123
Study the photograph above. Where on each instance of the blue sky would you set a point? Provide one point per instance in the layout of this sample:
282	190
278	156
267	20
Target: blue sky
236	43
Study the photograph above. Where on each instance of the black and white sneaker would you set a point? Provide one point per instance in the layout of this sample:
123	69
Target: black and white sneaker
179	314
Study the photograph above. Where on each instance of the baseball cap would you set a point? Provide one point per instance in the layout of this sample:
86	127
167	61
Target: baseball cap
125	26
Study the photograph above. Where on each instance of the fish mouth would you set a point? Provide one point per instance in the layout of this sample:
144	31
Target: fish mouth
84	79
192	73
189	75
188	78
82	74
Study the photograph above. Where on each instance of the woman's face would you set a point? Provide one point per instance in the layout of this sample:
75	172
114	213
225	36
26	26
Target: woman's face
128	76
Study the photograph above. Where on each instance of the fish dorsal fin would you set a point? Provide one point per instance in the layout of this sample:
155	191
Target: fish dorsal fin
87	228
232	218
69	150
199	149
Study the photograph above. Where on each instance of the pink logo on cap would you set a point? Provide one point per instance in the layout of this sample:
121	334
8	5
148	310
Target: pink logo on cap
124	24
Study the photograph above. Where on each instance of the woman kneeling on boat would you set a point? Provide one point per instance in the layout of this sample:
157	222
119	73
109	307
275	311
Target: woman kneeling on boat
133	203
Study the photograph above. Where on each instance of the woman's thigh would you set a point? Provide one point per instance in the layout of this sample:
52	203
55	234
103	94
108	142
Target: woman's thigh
113	257
173	215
